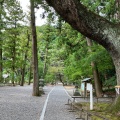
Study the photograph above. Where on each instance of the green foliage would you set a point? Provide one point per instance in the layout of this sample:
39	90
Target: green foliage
40	68
50	78
115	107
100	109
60	48
111	81
13	47
106	8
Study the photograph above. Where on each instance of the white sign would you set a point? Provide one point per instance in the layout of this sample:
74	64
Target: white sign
88	86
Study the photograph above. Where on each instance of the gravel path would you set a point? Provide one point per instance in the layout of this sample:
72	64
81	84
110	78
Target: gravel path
17	103
56	108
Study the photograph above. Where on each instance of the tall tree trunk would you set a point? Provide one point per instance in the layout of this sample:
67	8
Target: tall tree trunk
23	75
45	62
1	79
115	107
14	56
24	64
97	82
1	65
13	62
34	49
30	74
116	57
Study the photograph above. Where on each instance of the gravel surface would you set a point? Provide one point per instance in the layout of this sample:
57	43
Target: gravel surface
17	103
56	108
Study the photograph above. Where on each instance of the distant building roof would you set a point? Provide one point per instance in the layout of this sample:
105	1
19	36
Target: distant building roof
86	79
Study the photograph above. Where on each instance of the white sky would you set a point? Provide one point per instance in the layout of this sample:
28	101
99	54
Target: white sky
25	4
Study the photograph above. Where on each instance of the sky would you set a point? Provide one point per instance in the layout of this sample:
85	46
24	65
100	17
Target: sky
25	4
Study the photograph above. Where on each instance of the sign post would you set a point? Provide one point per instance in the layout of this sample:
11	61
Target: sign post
90	88
91	97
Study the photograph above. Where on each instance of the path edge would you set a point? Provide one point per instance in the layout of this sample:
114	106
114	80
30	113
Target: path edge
45	105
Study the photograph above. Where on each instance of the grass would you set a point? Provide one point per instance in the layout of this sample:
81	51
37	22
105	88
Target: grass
99	109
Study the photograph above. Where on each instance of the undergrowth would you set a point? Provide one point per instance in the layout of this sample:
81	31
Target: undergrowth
100	109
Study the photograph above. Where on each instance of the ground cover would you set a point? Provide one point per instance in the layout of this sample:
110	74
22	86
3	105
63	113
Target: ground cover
100	109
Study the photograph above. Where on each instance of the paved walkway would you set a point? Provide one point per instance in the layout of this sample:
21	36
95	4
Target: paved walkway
17	103
55	108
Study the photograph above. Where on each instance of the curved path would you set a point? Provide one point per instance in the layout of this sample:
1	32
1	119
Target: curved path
54	107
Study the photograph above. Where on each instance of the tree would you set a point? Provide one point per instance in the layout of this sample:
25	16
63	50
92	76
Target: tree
1	27
93	26
97	82
47	40
25	56
34	49
13	18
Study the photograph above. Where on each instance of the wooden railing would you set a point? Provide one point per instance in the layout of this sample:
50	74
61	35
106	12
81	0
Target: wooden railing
82	114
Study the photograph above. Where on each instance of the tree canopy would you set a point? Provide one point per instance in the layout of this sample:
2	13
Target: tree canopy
91	25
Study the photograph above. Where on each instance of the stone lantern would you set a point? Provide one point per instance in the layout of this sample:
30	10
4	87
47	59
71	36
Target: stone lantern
41	82
41	85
